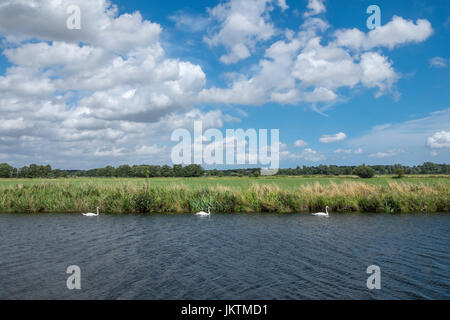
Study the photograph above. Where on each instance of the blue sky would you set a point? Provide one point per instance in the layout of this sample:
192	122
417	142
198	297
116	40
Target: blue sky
113	91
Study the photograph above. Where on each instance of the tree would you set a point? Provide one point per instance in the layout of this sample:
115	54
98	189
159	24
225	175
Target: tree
364	172
400	173
6	171
166	171
177	170
193	170
123	171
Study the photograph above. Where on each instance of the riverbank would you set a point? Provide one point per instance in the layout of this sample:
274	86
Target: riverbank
72	197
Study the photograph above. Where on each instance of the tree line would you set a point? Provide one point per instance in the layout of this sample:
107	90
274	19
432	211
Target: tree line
426	168
137	171
194	170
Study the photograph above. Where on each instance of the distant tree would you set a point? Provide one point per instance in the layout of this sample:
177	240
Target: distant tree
256	173
123	171
364	171
334	170
6	171
400	173
177	170
193	170
166	171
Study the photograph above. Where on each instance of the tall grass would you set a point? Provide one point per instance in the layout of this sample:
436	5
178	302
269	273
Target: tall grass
70	197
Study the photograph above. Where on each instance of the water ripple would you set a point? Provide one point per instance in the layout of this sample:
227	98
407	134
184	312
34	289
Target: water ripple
225	256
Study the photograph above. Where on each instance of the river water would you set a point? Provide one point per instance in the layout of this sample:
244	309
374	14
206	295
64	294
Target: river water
241	256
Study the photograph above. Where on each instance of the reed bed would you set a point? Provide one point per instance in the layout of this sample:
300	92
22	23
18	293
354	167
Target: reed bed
69	197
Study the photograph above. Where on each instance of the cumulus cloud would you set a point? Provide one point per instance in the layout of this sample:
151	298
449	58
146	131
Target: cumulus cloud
315	7
330	138
300	143
97	92
305	68
101	25
243	23
110	90
282	4
439	140
113	152
392	34
150	150
332	67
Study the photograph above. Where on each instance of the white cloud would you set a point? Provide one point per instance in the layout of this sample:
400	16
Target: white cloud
150	150
327	67
101	25
300	143
11	126
312	155
307	154
110	89
190	22
96	92
377	72
439	140
282	4
114	152
302	69
438	62
411	137
386	154
349	151
330	138
396	32
315	7
243	23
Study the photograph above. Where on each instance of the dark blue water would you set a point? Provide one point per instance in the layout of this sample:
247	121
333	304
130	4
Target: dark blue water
225	256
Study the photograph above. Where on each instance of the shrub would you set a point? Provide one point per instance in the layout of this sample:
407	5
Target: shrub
364	172
400	173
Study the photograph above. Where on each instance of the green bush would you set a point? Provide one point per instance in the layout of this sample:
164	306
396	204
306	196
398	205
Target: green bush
400	173
364	172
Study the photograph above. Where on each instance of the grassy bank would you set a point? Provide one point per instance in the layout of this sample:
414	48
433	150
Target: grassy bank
67	196
242	183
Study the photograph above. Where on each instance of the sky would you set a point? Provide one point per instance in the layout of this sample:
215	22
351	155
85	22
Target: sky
115	89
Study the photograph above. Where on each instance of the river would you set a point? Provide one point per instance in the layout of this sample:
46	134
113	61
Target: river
240	256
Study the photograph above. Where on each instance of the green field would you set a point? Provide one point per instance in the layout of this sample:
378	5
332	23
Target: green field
242	183
227	194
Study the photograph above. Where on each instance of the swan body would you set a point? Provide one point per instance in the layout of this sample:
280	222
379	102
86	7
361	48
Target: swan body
90	214
203	213
322	214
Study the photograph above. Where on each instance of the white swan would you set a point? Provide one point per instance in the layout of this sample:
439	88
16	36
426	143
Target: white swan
90	214
322	214
203	213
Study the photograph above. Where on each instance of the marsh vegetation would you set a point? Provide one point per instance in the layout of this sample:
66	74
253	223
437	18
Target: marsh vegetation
227	195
